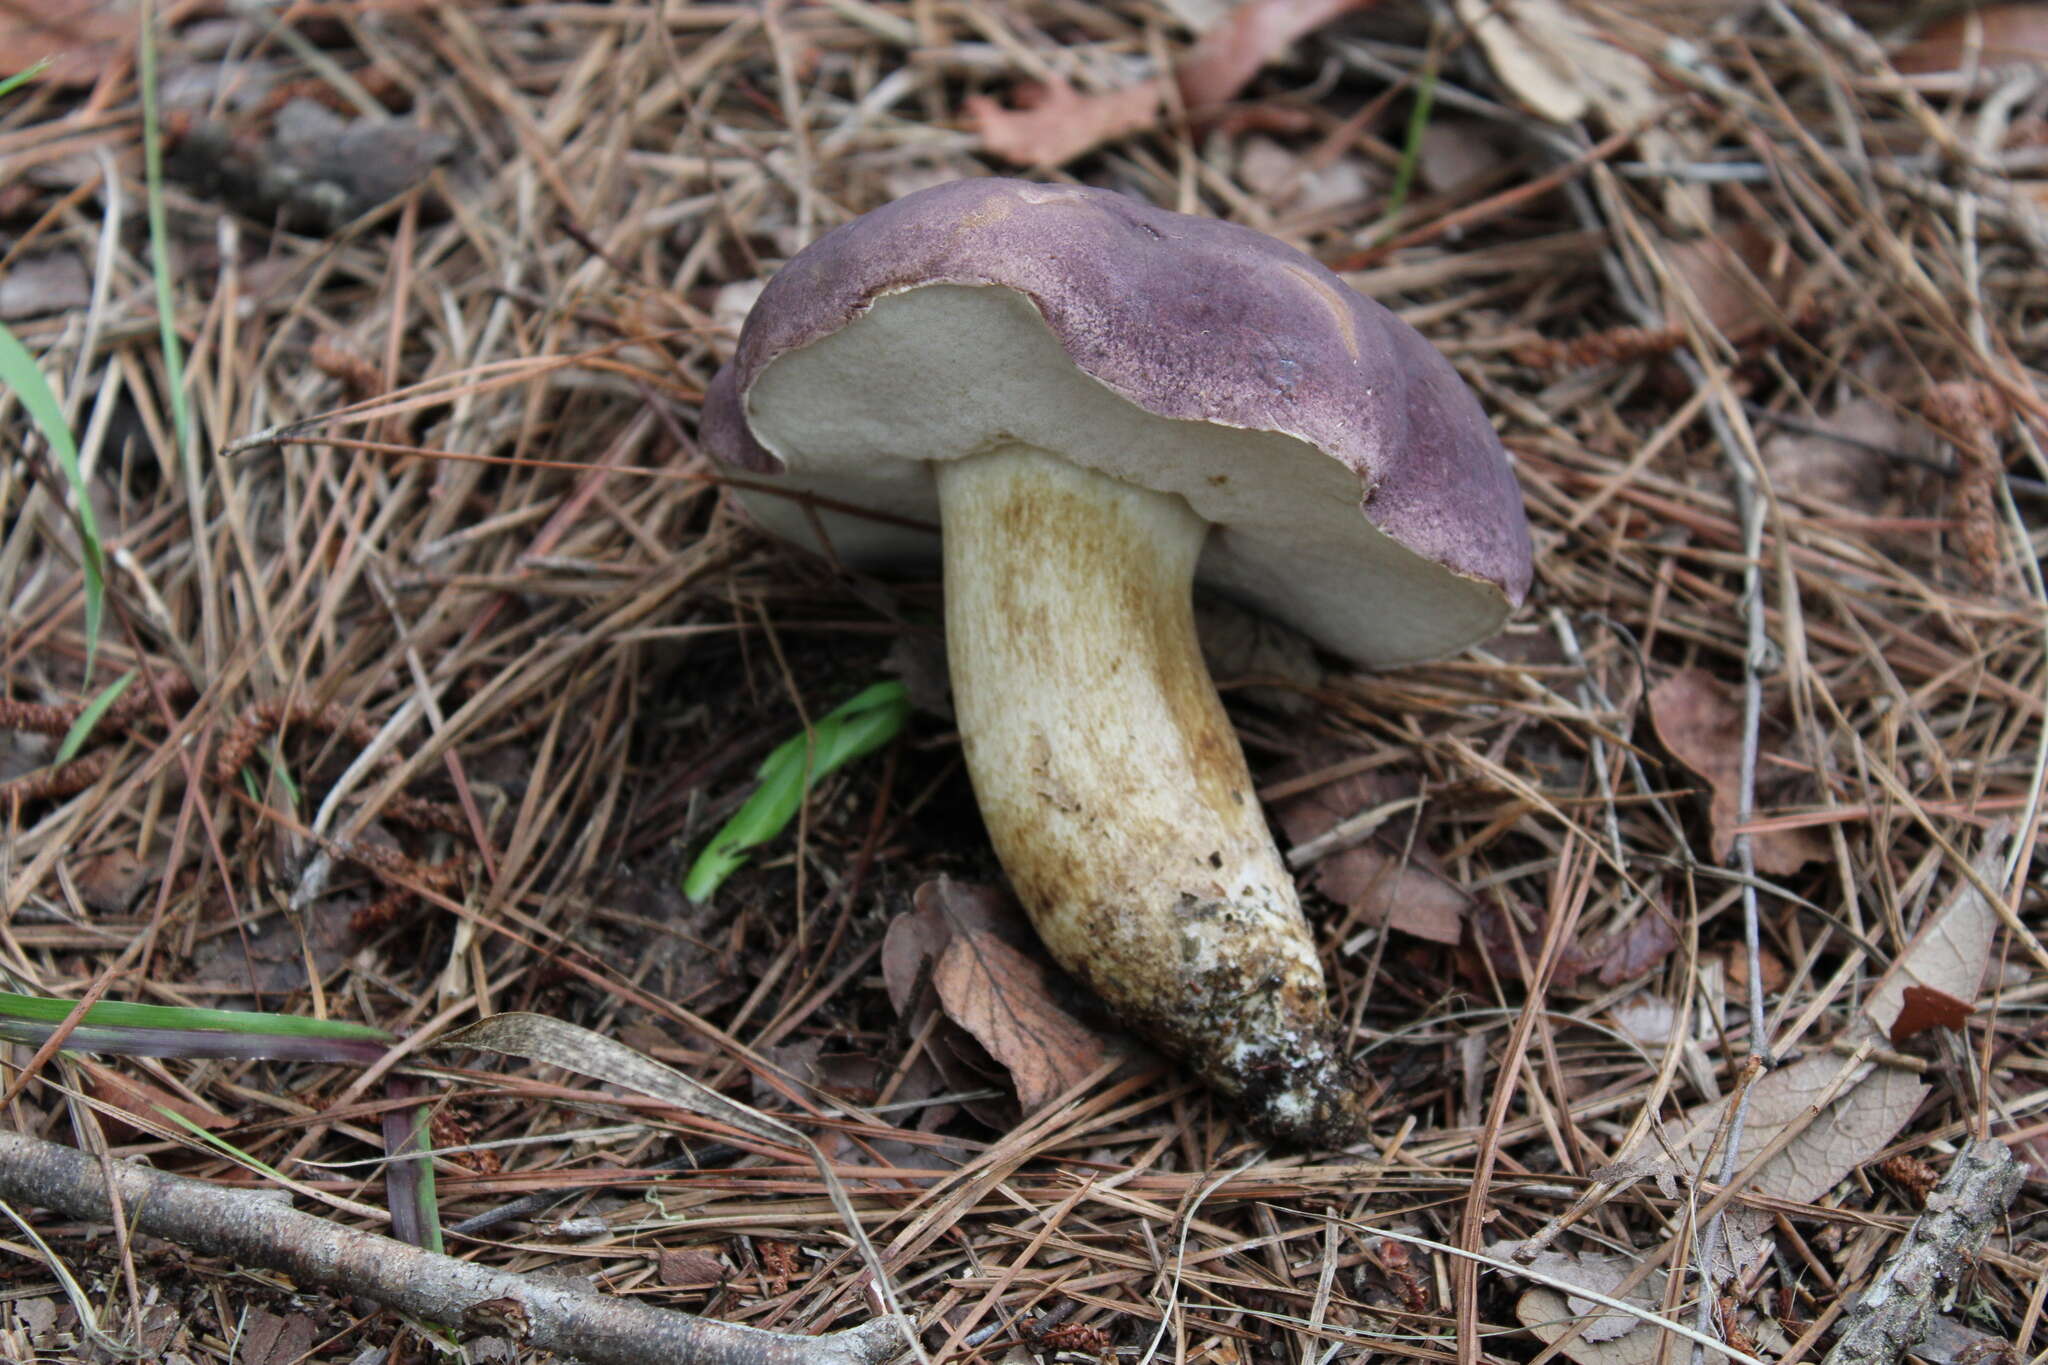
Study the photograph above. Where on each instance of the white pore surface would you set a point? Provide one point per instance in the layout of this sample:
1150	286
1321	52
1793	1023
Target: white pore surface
945	371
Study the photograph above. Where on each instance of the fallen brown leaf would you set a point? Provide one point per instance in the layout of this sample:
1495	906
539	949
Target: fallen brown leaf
1370	878
1455	152
1874	1101
1535	47
1600	1272
1948	1342
1734	959
78	37
1410	896
942	909
111	882
916	953
1926	1008
146	1100
1866	1113
1229	55
1549	1315
1616	1338
54	282
1702	727
692	1266
1562	67
40	1317
1558	65
999	995
1647	940
1060	123
1057	123
1836	465
1650	1019
1741	280
910	950
1952	949
276	1339
2010	34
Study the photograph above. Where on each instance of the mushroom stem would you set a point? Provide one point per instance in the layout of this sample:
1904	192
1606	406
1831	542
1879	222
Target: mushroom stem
1112	783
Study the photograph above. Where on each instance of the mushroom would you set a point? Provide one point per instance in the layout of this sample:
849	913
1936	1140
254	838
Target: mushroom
1096	401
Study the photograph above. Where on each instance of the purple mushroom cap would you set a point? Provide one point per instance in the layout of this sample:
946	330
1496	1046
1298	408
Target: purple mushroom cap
1355	486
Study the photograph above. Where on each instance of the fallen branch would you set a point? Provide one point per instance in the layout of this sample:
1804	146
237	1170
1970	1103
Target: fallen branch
1891	1315
553	1315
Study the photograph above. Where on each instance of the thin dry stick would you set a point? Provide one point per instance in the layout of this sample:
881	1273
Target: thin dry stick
1756	657
550	1314
1750	508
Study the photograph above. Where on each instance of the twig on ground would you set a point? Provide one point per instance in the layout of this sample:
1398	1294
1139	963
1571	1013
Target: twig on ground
550	1314
1891	1315
1759	655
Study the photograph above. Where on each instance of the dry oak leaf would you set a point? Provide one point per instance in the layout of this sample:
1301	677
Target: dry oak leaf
276	1339
1548	1314
2009	34
999	995
147	1100
1951	950
691	1266
1556	65
1369	878
1835	463
916	942
1059	123
1615	957
1649	938
1229	55
1741	278
1600	1272
1615	1338
1870	1106
1702	728
941	910
1927	1008
77	37
1872	1102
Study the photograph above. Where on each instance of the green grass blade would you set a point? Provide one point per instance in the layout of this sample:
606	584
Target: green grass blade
21	78
409	1176
1411	152
18	371
160	233
127	1030
75	737
226	1148
117	1014
858	727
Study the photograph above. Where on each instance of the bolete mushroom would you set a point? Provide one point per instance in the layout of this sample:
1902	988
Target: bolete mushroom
1096	401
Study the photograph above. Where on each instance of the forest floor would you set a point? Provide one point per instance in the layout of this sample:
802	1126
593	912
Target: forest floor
446	651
